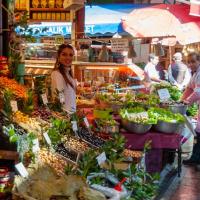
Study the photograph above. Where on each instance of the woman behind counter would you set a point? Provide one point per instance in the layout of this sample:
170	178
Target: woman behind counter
62	78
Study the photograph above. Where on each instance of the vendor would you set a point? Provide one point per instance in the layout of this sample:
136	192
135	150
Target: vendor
62	78
191	95
153	71
178	73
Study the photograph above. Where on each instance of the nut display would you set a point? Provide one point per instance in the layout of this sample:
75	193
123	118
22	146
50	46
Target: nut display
75	144
54	160
133	154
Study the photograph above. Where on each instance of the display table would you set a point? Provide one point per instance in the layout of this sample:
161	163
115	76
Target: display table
159	142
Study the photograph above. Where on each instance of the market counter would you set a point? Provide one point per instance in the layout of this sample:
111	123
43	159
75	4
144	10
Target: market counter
162	145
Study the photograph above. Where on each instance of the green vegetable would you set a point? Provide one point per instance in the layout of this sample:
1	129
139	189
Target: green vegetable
192	110
165	115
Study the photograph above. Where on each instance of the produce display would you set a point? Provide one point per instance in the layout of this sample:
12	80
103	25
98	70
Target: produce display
75	144
28	123
138	115
42	113
165	115
55	161
18	90
89	137
174	92
50	146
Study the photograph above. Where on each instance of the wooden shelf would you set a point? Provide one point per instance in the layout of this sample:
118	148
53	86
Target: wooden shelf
48	10
46	20
20	9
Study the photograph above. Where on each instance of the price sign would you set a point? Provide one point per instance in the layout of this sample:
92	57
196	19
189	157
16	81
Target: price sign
164	94
74	126
36	146
59	39
101	158
47	138
14	106
61	97
119	45
86	122
21	169
44	99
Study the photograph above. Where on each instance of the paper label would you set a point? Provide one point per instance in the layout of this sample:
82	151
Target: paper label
164	94
62	98
44	99
21	169
36	146
86	122
47	138
101	158
74	126
14	106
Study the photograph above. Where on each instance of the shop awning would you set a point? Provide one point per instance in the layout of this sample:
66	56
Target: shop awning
100	20
164	21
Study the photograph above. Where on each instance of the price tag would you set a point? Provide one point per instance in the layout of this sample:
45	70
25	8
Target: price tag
74	126
164	94
47	138
44	99
101	158
14	106
21	169
86	122
61	97
141	114
36	146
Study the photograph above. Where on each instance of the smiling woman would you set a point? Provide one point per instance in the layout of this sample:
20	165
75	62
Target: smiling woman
62	79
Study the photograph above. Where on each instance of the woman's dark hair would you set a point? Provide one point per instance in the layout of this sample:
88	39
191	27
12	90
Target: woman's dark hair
59	67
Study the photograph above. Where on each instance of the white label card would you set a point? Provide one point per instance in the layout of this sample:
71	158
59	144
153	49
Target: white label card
21	169
141	114
61	97
164	94
74	126
101	158
86	122
44	99
14	106
36	146
47	138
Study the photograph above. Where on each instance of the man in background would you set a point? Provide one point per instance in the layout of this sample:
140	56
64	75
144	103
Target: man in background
178	73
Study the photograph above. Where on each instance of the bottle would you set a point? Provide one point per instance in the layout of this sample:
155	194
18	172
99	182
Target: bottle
35	3
43	3
51	3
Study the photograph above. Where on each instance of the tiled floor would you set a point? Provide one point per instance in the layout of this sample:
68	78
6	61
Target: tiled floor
189	188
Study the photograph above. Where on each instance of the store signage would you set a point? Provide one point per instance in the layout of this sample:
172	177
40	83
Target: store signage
101	158
21	169
164	94
39	29
119	45
14	106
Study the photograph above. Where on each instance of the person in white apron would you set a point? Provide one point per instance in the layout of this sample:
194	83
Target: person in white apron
62	78
191	95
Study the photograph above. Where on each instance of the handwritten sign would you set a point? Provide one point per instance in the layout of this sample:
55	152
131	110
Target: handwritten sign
14	106
47	138
164	94
44	99
21	169
119	45
101	158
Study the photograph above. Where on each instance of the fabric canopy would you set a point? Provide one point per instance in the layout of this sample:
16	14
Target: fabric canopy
164	21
